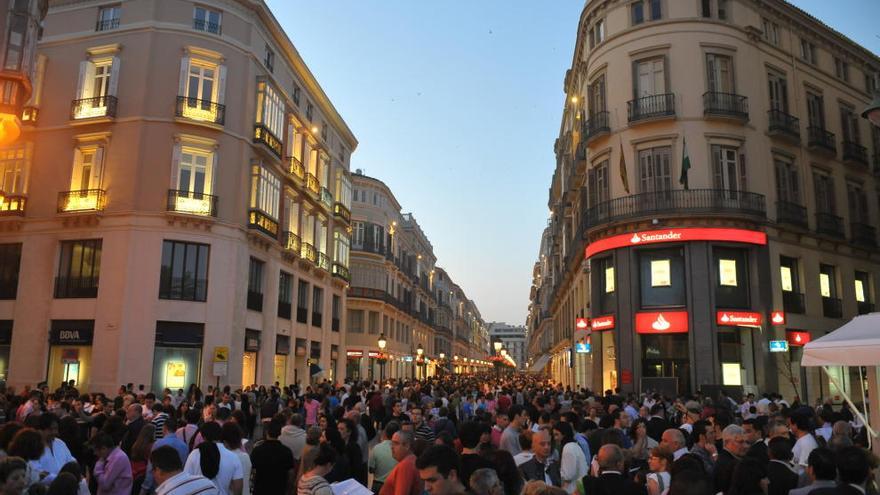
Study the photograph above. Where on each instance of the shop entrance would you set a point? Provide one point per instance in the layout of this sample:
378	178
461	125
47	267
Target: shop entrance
282	350
666	356
177	356
249	359
70	352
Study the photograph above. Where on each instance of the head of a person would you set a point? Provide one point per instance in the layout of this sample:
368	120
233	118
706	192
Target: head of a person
347	430
13	475
64	484
752	430
673	438
660	459
415	415
610	458
296	420
525	440
134	412
27	444
852	465
777	429
273	429
703	433
313	435
324	460
563	433
401	445
231	434
519	417
390	429
799	423
165	463
501	420
734	440
48	424
438	469
211	431
208	413
102	444
821	465
469	433
779	449
485	481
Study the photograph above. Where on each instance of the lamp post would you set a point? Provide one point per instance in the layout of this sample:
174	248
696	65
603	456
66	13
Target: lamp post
420	351
382	343
503	353
497	345
442	362
872	111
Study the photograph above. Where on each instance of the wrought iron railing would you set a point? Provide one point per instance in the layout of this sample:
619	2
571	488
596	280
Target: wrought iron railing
192	202
291	242
818	137
323	262
13	205
828	224
855	153
342	272
680	201
76	287
793	302
863	234
99	106
597	124
832	307
791	213
82	200
784	123
309	252
262	222
107	24
201	110
208	27
262	134
296	167
726	105
327	198
313	184
341	212
649	107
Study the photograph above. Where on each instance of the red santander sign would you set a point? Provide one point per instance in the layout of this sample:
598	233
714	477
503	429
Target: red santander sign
738	318
662	322
676	235
797	338
777	318
581	323
600	323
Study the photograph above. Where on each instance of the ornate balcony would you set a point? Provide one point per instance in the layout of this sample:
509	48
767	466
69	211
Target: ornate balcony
323	262
200	110
206	26
793	302
727	105
107	24
76	287
677	202
308	251
784	125
12	205
855	154
832	307
260	221
830	225
262	134
313	184
596	125
862	234
818	139
291	242
82	200
90	108
791	214
341	212
193	203
341	271
296	167
650	107
327	198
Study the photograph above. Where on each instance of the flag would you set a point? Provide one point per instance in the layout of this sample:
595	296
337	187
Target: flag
623	177
685	164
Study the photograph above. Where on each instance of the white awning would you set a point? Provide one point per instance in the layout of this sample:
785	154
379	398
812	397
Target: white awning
855	344
540	363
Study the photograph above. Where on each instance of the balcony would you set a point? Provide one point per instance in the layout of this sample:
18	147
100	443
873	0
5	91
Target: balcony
291	242
307	251
312	184
832	307
317	319
855	154
369	247
341	272
30	115
200	110
367	293
296	167
76	287
208	27
323	262
862	234
302	315
12	205
341	212
107	24
726	105
284	310
818	139
596	125
830	225
791	214
327	198
262	134
793	302
91	108
82	200
260	221
864	307
254	300
192	203
677	202
334	324
784	125
650	107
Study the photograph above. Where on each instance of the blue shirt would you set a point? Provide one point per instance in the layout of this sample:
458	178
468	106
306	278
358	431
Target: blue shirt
584	445
169	440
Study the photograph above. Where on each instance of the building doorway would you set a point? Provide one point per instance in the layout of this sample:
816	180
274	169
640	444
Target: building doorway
666	356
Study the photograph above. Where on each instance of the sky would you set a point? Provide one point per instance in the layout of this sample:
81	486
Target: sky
456	105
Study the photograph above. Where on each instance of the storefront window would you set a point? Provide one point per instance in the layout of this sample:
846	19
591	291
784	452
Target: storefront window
249	360
735	355
732	286
177	356
70	352
5	343
662	280
666	356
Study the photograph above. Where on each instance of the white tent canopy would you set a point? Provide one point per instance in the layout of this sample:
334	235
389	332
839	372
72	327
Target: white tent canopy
855	344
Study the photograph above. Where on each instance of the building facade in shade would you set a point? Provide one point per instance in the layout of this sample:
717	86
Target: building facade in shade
715	190
399	293
22	27
513	338
188	201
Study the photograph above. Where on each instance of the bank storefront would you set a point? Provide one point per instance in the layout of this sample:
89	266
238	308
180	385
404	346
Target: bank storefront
70	353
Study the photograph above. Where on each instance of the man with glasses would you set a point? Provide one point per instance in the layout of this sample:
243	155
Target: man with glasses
734	447
404	478
541	467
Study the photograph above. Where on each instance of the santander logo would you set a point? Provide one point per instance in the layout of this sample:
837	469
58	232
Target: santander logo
635	239
798	338
738	318
725	318
778	318
660	324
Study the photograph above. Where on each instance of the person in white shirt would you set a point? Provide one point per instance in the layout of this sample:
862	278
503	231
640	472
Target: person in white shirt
827	429
525	444
55	453
799	424
220	465
168	471
746	407
573	463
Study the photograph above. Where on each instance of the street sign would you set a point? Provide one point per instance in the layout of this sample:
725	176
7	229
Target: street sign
221	354
582	348
778	346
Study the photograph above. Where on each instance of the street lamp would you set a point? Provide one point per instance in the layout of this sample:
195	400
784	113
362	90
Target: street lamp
419	352
382	343
498	345
872	111
442	362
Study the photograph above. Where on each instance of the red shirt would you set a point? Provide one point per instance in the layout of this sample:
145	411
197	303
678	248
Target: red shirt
404	479
504	403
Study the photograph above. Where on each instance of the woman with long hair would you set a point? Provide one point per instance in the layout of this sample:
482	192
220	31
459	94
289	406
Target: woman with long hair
573	463
349	433
140	454
659	479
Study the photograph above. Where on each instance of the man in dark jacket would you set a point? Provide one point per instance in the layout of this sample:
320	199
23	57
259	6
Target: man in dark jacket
611	480
734	447
134	422
541	467
656	423
780	472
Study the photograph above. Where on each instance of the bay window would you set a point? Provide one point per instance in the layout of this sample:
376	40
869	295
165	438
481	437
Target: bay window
342	249
13	169
265	200
269	124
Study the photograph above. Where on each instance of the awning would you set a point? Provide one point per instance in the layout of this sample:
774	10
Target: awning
855	344
540	363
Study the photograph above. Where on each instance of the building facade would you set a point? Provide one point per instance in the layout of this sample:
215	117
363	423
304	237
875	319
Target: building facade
715	190
178	150
399	293
513	338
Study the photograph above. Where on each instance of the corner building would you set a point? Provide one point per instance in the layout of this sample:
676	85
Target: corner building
187	203
716	190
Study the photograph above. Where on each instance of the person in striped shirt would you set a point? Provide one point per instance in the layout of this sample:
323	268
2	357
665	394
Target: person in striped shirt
168	472
420	426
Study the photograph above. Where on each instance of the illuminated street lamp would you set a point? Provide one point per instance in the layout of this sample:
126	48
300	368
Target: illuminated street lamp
872	111
382	343
420	351
498	345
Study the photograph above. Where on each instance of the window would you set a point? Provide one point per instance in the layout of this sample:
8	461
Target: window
858	203
255	285
661	277
207	20
827	283
296	95
596	95
596	33
771	31
79	269
10	263
270	110
269	61
96	91
336	309
201	81
728	168
302	302
862	286
732	286
606	282
870	82
650	77
355	321
87	168
13	164
17	42
310	111
638	12
265	192
317	306
108	17
343	189
720	12
184	274
342	248
841	69
808	51
815	110
358	229
788	274
194	170
824	191
722	9
849	124
656	9
778	88
654	169
787	184
719	69
285	294
598	184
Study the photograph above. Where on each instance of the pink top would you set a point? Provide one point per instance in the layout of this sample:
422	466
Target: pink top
114	474
311	412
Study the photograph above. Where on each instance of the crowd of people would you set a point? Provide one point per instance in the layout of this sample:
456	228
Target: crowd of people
476	434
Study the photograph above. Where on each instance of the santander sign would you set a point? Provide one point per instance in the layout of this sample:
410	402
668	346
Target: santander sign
602	323
676	235
738	318
662	322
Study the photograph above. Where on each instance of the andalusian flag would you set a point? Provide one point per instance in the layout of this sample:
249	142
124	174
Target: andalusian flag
685	165
623	176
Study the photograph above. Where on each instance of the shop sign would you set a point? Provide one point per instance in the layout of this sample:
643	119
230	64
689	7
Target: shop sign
738	318
778	346
602	323
626	377
354	353
72	332
581	323
777	318
582	348
70	355
407	359
797	338
221	354
676	235
662	322
374	354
